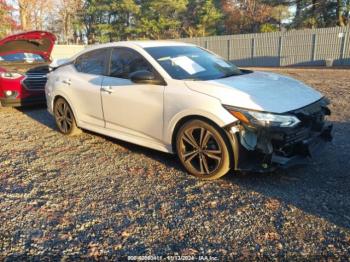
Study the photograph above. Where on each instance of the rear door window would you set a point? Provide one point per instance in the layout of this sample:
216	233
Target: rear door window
94	62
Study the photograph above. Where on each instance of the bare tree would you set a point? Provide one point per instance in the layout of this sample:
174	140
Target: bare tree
68	12
24	13
34	13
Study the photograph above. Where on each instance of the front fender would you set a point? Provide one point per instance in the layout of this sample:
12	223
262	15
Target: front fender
61	93
220	117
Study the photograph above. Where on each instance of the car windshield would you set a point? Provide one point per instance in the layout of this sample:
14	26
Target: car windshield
22	57
192	63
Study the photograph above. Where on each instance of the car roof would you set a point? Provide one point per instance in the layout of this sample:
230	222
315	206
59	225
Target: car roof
132	44
144	43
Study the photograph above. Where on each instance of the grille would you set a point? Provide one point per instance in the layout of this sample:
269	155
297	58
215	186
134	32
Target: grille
312	119
313	116
35	81
299	135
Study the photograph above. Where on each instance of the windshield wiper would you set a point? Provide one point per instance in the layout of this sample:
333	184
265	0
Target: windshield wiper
231	74
191	79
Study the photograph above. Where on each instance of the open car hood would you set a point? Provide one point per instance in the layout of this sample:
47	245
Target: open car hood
36	42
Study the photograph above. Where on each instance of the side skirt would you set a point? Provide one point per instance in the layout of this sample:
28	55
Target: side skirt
128	138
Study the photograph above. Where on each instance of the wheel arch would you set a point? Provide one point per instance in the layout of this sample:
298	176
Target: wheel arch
220	118
184	120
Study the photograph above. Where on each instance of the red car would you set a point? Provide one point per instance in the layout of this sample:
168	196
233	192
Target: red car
24	63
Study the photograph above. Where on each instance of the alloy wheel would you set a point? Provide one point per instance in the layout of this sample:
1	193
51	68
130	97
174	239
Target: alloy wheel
200	150
64	117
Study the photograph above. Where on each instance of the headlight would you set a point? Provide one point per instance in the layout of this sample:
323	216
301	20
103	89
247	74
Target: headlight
8	75
263	119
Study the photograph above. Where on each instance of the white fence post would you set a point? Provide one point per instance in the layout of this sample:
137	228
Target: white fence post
314	47
253	51
280	49
343	46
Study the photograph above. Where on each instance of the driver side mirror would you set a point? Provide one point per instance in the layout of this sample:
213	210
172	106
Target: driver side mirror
145	77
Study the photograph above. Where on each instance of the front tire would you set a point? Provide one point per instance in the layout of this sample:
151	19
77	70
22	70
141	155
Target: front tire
203	150
64	118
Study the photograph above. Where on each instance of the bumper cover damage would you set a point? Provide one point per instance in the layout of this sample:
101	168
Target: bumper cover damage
264	149
307	148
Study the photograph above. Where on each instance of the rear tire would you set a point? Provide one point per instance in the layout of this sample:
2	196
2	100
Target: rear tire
64	118
203	150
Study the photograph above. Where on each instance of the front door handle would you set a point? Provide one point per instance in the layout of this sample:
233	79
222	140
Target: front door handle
67	82
107	89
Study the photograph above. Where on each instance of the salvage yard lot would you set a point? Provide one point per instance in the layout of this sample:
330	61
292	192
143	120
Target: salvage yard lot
92	196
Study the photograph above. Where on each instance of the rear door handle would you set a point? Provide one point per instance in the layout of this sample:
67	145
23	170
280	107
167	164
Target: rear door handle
107	89
67	82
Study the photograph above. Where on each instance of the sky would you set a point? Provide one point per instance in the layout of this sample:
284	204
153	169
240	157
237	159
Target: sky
15	14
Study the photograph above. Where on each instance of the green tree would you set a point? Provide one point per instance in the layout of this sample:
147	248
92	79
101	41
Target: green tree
343	12
321	13
268	28
104	17
124	15
112	20
202	18
161	18
90	17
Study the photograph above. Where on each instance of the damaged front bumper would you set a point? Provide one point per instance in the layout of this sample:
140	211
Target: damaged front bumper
264	149
307	148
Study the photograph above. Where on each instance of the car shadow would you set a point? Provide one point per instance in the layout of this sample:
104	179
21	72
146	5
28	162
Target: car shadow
168	159
321	188
40	114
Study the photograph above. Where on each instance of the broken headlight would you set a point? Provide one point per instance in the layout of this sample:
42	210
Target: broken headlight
256	118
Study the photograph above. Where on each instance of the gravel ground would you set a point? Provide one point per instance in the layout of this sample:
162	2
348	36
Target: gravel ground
98	198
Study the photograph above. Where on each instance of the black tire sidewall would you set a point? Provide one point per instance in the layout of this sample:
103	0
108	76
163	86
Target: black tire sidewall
220	138
74	125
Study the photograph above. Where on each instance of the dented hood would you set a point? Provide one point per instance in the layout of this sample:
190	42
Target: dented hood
260	91
36	42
